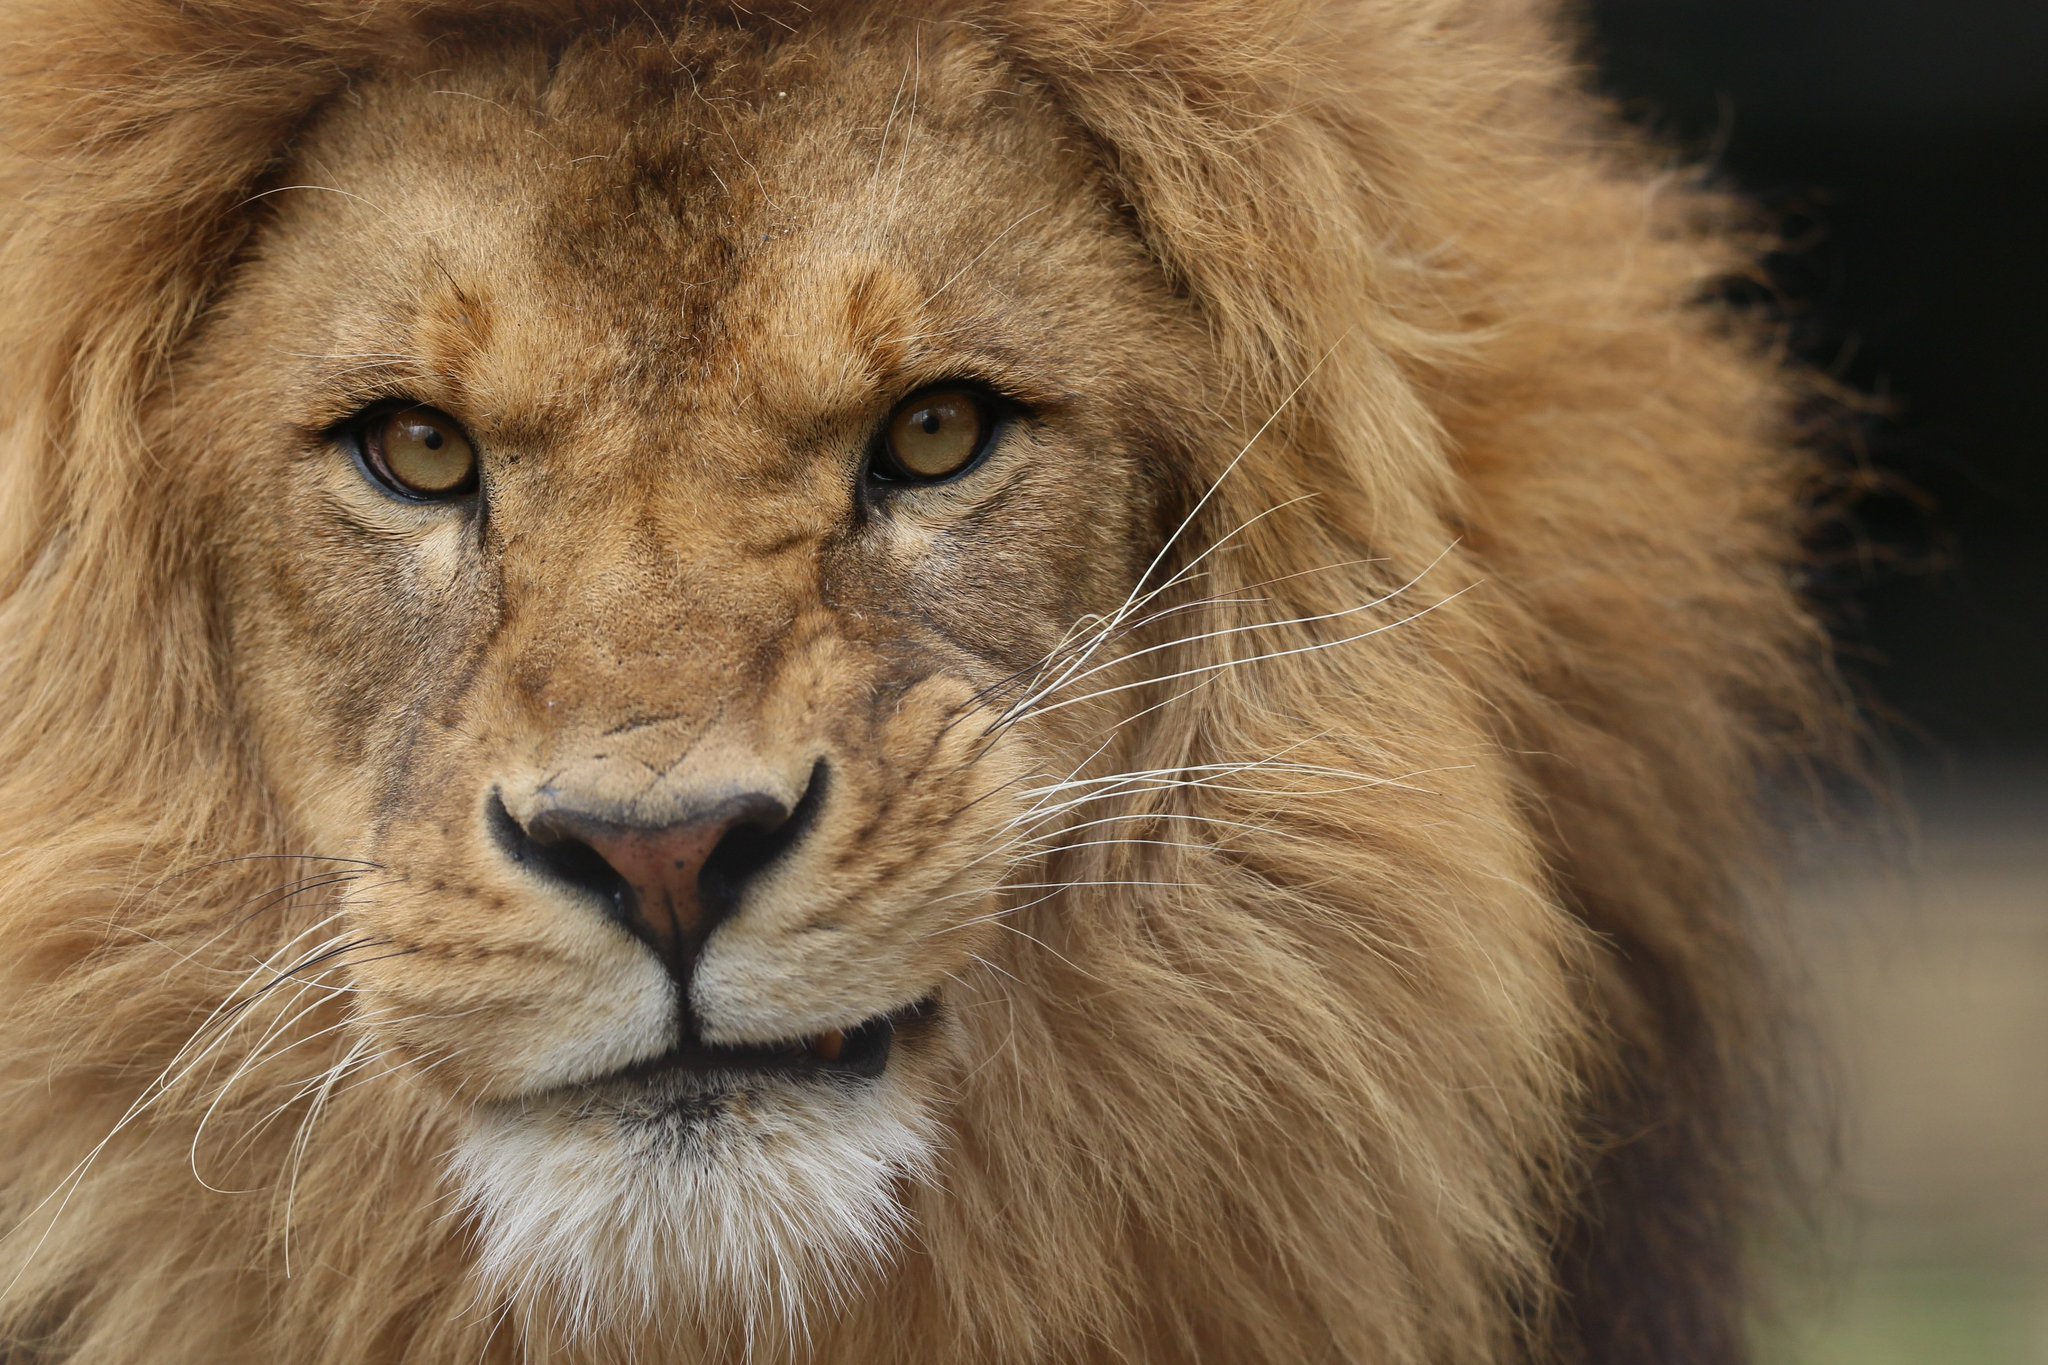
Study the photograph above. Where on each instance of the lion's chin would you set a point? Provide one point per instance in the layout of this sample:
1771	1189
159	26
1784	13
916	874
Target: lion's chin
734	1203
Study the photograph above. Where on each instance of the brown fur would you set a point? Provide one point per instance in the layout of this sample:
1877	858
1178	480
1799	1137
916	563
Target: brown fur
1428	1036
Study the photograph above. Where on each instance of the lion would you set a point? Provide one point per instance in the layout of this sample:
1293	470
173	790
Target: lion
988	680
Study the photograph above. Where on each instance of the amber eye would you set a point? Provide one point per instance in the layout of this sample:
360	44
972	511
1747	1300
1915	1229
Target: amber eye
935	433
420	453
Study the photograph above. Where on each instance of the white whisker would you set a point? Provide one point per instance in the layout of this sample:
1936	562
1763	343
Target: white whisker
1027	703
1230	664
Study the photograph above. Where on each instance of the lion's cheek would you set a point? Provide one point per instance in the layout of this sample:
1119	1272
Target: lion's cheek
760	980
492	1004
336	674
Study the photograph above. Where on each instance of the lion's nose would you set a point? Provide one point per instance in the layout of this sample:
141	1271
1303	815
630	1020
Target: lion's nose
669	882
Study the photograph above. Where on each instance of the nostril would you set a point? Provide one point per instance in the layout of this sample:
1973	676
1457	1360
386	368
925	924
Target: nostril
753	843
552	850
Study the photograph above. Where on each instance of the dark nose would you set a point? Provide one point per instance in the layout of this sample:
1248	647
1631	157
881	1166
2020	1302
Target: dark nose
671	882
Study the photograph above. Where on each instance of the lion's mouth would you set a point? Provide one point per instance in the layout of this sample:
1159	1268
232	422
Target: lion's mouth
860	1052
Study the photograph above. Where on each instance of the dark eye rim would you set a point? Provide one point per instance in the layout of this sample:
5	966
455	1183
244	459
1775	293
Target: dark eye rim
354	434
881	467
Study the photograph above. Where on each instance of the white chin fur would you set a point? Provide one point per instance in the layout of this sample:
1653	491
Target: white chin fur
608	1215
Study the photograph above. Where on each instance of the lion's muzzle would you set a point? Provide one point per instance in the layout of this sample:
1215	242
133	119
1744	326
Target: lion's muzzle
670	878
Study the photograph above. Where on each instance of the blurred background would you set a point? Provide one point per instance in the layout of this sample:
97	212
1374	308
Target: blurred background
1903	147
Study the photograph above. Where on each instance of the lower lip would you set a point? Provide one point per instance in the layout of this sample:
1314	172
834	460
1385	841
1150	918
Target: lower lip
859	1053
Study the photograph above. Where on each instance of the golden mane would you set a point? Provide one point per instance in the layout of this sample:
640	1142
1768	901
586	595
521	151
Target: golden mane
1526	1120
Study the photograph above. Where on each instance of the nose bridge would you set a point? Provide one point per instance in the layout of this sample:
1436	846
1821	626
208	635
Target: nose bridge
649	631
648	692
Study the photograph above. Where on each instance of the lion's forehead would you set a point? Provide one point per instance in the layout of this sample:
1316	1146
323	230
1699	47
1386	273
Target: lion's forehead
754	243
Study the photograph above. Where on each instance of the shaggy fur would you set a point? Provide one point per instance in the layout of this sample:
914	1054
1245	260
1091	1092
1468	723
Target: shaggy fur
1314	765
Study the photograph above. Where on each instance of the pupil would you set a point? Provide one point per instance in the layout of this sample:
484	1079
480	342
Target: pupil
432	440
930	421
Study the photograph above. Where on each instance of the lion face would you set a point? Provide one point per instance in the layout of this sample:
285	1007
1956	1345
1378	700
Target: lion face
654	494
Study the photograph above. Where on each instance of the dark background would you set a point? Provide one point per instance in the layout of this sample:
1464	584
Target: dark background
1903	147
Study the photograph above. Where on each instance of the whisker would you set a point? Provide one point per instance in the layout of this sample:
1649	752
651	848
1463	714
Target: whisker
293	890
1114	626
1111	784
1137	597
1228	469
257	1056
300	1139
1121	843
1026	702
264	857
1041	943
1229	664
212	1034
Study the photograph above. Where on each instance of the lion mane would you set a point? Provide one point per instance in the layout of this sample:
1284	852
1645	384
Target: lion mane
1466	1064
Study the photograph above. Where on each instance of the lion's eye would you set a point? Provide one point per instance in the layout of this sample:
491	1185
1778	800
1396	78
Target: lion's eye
935	433
420	453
